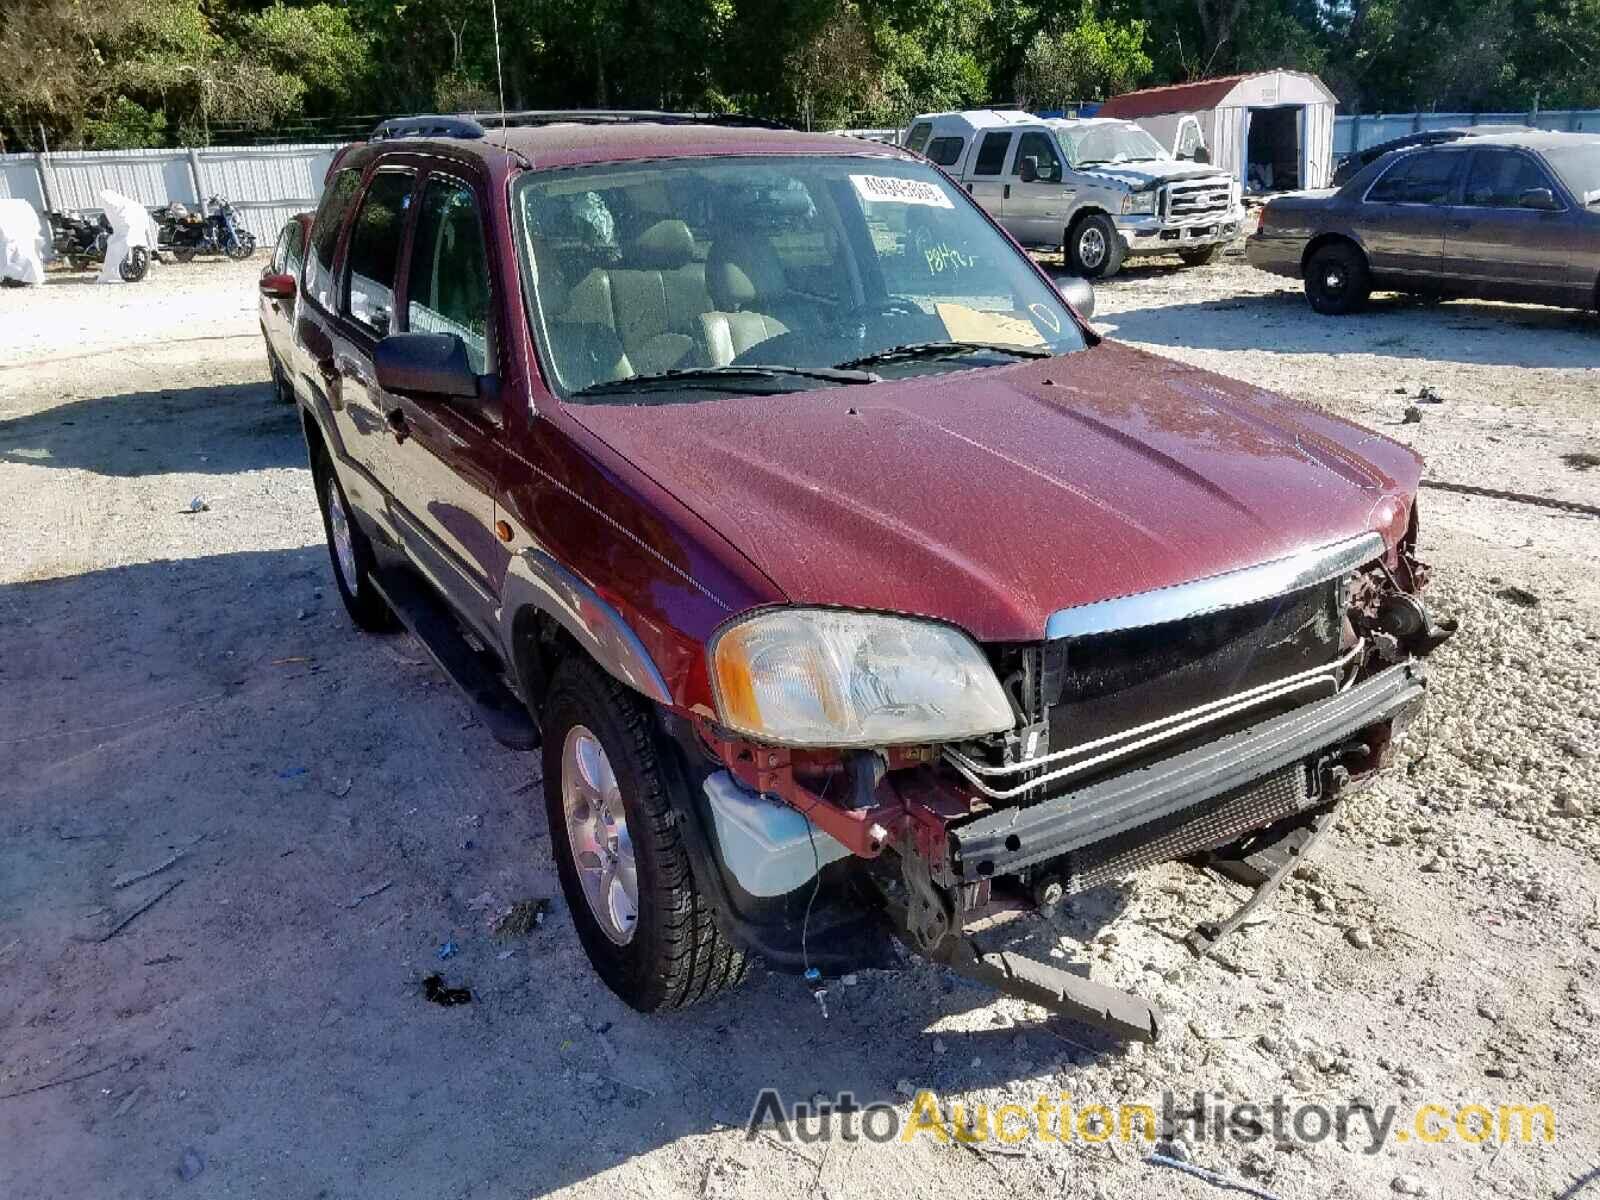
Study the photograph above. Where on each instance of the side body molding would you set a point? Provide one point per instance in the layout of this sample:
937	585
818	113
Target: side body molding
535	579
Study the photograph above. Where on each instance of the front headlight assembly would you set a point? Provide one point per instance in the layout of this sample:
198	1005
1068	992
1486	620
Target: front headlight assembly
831	678
1139	203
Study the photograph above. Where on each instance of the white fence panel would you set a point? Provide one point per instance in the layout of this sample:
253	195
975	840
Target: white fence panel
266	184
148	176
1353	132
19	179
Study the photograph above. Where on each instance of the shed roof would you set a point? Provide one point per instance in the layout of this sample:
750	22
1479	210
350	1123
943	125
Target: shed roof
1197	96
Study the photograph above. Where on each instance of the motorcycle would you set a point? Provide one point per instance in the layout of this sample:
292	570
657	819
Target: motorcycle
183	234
82	242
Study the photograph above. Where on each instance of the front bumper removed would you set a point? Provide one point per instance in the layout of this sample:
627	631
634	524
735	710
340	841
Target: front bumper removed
1012	839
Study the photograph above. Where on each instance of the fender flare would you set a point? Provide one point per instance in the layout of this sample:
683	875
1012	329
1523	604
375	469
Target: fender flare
535	580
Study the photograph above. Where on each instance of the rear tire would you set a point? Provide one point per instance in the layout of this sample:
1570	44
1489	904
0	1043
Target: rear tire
1199	257
608	786
183	254
1094	248
350	551
1337	280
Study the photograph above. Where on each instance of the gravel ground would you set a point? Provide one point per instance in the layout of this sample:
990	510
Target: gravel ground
182	691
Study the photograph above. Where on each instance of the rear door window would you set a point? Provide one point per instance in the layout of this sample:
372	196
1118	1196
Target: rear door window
992	154
447	284
1499	177
1430	177
294	249
280	252
946	151
336	200
374	252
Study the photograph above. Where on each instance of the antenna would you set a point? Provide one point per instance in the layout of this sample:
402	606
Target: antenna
499	75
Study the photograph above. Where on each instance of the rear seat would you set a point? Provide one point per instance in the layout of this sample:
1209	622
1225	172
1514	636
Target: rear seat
653	300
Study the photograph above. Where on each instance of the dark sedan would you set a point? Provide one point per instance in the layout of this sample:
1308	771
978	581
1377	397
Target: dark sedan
1347	169
1514	217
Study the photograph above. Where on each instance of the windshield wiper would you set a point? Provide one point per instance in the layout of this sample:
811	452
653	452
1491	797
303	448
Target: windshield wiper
941	350
692	376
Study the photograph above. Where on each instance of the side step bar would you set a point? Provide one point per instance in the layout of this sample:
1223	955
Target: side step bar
475	672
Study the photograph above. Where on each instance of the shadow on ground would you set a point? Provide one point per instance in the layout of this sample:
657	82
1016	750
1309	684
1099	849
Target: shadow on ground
333	816
217	429
1392	326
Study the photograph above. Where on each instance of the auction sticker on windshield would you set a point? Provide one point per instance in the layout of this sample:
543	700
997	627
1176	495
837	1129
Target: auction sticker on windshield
892	189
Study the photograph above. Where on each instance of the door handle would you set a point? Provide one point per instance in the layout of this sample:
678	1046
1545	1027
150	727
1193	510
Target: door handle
1458	226
1006	195
395	418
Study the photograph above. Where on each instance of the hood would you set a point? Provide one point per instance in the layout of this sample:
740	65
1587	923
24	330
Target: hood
991	498
1140	175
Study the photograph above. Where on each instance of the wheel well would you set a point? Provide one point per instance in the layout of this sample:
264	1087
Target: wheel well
1079	217
538	646
315	443
1328	239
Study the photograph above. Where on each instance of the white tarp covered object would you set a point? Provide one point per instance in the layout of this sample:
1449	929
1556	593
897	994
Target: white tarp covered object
131	225
22	243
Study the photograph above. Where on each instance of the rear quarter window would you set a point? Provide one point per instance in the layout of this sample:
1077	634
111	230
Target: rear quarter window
946	151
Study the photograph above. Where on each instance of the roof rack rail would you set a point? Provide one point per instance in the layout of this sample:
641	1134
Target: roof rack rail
435	126
621	116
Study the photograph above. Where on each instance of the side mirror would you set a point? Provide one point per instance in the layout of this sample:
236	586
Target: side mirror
1201	155
1542	199
278	287
1078	292
1029	169
425	364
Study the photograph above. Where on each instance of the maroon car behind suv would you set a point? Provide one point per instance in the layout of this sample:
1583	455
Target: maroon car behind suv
849	582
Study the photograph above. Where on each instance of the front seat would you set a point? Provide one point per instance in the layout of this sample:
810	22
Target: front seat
584	351
752	296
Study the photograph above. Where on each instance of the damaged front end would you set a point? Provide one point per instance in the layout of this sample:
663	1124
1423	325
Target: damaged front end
1219	718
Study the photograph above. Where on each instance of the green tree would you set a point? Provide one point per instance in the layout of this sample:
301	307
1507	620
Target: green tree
1093	56
319	45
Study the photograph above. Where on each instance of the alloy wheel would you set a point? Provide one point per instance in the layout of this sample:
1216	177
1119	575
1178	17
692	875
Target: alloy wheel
1091	247
597	829
344	545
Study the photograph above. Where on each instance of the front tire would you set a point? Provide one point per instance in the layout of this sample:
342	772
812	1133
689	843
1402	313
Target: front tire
241	246
1337	280
135	266
1200	256
1094	247
350	551
625	872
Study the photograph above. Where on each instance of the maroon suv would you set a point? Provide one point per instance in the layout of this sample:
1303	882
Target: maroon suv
849	583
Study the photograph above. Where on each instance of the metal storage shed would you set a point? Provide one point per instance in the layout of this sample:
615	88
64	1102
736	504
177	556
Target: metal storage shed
1272	130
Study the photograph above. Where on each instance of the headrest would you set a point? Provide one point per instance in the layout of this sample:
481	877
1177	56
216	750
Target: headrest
741	269
665	246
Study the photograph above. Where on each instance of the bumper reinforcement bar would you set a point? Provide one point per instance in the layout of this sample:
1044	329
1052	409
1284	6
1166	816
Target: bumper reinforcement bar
1015	838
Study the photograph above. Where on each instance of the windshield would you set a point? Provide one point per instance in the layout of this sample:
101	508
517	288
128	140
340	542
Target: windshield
1579	168
1102	145
821	271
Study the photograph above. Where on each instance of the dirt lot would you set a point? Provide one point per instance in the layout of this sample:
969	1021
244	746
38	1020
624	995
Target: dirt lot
184	686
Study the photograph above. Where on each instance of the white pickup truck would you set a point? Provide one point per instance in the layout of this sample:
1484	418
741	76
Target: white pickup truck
1101	190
